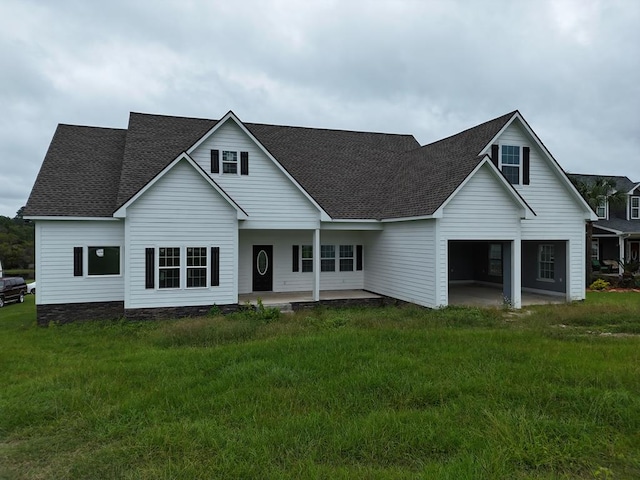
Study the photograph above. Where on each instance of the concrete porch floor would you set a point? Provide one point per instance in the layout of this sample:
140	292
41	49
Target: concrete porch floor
467	295
475	295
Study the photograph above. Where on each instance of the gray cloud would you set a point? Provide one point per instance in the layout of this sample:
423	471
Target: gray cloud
430	68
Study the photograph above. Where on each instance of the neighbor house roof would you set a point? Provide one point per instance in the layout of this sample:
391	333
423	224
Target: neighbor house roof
623	184
91	172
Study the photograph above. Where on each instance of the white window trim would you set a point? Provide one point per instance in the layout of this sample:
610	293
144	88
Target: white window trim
606	209
222	162
352	258
85	262
520	165
207	278
631	208
540	249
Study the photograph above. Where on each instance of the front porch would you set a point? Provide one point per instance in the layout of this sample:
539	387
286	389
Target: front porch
470	295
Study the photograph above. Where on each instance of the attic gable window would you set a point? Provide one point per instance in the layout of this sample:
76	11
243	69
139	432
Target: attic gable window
635	208
510	163
229	161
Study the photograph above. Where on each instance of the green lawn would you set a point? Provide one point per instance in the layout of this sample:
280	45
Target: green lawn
551	392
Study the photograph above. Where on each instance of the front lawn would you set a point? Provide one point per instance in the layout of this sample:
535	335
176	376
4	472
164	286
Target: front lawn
548	392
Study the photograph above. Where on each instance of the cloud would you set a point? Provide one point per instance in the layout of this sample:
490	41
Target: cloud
430	68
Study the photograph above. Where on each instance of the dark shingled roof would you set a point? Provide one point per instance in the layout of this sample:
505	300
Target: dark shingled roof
350	174
80	173
623	184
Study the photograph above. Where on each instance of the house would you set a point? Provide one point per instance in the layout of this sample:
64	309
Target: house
173	215
616	233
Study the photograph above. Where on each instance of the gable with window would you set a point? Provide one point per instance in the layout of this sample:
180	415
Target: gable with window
513	161
230	162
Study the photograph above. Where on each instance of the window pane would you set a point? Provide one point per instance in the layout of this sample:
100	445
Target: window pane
328	265
196	277
307	265
104	261
307	251
512	174
169	278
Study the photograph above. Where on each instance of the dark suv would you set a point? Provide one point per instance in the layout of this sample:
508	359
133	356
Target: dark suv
12	289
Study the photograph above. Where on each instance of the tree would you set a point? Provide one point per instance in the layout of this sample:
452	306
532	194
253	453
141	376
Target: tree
600	191
17	241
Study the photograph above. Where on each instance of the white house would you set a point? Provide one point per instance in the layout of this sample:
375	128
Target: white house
173	215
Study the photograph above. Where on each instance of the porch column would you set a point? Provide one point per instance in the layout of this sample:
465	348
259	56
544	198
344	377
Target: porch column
621	255
316	265
516	279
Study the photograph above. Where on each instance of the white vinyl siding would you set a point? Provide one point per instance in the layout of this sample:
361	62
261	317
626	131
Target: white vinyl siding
181	210
55	241
558	215
401	261
284	280
271	200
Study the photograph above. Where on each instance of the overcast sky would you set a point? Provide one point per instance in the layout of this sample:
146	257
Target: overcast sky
429	68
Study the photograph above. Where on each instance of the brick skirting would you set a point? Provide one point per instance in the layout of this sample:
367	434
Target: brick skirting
163	313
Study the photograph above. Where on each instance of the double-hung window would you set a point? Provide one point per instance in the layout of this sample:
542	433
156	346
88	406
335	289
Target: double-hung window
229	161
327	258
510	163
635	208
601	208
169	267
346	258
307	258
546	262
196	267
595	248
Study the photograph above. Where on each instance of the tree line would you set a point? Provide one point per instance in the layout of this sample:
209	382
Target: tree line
17	242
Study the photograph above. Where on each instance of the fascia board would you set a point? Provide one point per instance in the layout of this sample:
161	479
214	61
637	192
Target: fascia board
528	212
122	211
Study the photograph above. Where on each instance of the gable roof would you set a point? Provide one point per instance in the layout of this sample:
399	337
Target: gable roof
80	173
351	175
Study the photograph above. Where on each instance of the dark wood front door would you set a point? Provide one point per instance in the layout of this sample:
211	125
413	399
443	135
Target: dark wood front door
262	268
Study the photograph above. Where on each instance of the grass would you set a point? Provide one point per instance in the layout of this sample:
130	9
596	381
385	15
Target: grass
551	392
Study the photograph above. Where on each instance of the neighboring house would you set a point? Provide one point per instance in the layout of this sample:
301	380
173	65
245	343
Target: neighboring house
173	215
616	233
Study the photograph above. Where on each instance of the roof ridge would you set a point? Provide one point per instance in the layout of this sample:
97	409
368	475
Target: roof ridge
328	129
462	132
91	126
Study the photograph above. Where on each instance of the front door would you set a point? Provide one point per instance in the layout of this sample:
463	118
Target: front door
634	251
262	268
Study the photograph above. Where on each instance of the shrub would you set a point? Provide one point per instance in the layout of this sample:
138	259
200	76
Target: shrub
600	284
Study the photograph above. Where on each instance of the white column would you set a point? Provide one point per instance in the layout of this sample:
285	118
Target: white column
316	265
621	255
516	269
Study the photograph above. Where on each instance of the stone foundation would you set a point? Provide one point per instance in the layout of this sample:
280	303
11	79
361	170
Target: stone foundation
164	313
78	312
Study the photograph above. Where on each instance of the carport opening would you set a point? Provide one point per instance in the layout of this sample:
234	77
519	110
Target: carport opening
479	272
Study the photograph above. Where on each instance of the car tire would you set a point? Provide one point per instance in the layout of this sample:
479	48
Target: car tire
33	291
1	302
21	298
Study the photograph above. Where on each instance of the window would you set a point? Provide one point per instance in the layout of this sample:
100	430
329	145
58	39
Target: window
169	267
327	258
495	259
601	208
196	267
595	248
635	208
307	258
229	162
510	163
346	258
546	262
103	261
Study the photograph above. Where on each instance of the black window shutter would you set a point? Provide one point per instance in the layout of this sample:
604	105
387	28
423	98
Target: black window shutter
215	161
358	257
296	259
149	267
525	166
244	163
77	261
495	151
215	266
